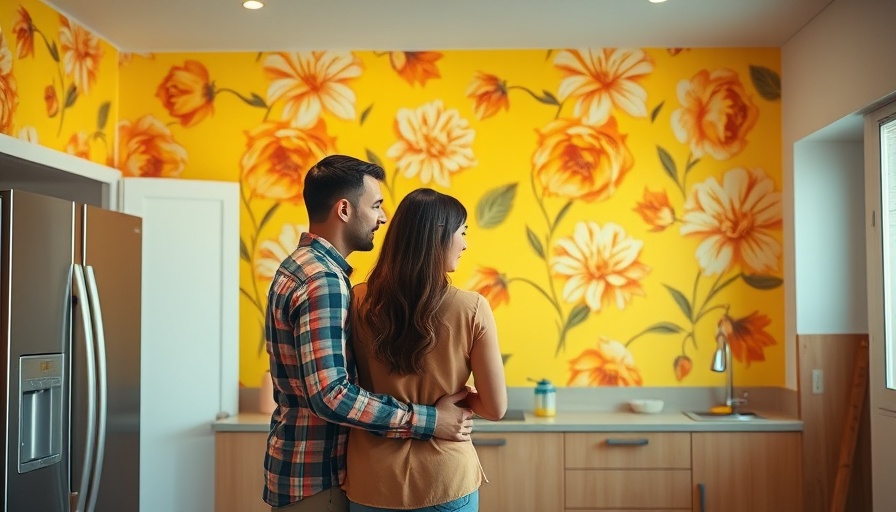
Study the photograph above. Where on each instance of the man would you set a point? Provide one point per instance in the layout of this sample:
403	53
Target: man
306	329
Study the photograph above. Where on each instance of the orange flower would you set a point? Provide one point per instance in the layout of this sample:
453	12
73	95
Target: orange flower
735	219
490	94
581	161
273	252
433	143
79	145
675	51
747	337
187	93
146	148
604	79
611	364
81	54
279	156
656	210
682	367
716	114
23	28
51	100
600	265
415	66
491	284
9	98
312	82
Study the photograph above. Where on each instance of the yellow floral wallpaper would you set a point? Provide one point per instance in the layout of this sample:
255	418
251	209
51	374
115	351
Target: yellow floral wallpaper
58	82
624	203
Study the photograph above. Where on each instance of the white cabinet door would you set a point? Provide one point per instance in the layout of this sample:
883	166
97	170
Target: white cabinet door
189	353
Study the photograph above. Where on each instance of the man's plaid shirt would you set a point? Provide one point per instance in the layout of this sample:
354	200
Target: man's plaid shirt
314	378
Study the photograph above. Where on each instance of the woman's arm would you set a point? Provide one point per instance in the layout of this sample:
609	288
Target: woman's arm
490	398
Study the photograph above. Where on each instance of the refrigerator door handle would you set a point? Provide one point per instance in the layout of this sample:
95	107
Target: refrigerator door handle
90	440
102	384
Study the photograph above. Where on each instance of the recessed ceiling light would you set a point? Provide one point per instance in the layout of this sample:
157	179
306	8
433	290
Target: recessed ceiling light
255	4
657	1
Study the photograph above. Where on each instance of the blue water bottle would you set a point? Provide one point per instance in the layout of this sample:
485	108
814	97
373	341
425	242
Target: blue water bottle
545	399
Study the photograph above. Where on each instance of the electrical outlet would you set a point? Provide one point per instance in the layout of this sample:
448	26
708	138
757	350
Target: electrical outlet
817	382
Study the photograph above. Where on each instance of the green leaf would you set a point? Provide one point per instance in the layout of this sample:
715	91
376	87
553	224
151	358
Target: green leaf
664	328
577	316
54	52
691	164
372	158
504	358
762	282
548	98
535	243
71	95
244	252
268	215
256	101
365	114
668	163
562	213
682	302
656	111
495	205
766	82
103	116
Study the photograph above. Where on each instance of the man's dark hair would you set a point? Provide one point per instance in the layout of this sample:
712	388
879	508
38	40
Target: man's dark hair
333	178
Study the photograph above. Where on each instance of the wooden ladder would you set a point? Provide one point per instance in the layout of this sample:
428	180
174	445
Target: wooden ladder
851	427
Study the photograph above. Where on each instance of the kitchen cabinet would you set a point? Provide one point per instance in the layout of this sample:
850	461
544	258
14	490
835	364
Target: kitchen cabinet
41	170
747	471
524	469
628	471
239	475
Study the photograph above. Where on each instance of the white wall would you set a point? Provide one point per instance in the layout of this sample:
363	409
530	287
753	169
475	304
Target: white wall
829	195
838	64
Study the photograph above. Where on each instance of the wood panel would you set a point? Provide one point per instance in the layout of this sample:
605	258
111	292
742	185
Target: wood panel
823	421
749	471
239	477
525	473
646	450
665	489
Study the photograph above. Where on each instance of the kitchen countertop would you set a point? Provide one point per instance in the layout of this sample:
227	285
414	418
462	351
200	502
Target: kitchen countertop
609	421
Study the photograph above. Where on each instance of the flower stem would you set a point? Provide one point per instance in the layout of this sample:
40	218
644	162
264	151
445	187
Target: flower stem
540	290
252	245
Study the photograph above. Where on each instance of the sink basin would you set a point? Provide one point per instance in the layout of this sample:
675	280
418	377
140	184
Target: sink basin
709	416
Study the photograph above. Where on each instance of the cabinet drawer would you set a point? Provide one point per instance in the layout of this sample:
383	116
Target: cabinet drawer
665	489
650	450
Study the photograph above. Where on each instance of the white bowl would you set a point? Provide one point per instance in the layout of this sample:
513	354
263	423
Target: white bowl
646	406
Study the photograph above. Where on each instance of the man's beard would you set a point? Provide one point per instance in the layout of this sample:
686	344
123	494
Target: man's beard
362	241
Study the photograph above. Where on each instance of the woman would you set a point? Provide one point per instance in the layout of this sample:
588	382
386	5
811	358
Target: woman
417	338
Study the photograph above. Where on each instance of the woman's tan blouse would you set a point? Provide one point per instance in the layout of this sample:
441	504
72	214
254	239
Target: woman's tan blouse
409	473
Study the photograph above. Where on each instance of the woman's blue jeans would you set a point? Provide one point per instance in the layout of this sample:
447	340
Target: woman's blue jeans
468	503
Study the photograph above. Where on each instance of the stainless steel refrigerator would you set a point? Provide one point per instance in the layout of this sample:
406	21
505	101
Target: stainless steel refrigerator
70	327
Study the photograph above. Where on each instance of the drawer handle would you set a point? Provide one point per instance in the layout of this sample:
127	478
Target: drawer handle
627	442
489	442
701	490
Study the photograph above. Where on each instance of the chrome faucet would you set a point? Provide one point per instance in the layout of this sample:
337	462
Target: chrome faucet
721	362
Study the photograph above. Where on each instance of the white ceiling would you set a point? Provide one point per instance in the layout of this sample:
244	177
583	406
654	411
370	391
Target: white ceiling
224	25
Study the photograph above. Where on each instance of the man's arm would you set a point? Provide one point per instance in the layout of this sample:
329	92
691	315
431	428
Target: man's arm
320	343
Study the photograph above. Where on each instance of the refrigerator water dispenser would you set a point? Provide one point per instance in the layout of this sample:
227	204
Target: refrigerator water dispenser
40	411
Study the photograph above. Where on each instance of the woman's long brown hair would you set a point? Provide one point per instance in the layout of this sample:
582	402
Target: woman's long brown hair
409	281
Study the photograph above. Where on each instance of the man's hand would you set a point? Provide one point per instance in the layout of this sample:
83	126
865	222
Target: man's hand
453	423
